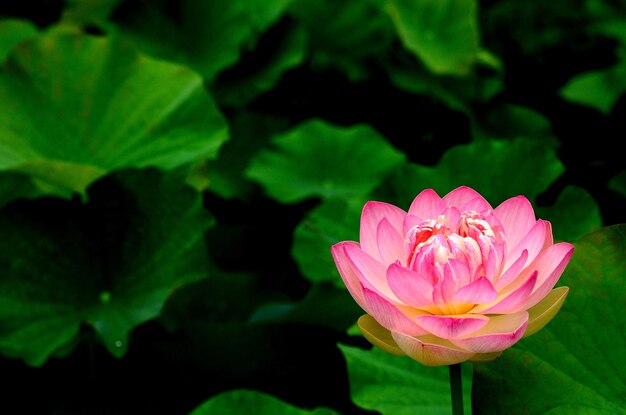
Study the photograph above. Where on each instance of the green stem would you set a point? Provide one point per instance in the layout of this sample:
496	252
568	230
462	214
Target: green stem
456	389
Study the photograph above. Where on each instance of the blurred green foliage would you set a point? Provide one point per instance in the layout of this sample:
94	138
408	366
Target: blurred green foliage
173	174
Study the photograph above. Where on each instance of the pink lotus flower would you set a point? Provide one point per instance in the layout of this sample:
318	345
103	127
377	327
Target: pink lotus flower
453	279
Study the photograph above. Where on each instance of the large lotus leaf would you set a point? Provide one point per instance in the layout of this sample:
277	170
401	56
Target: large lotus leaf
498	169
317	159
598	89
353	33
574	214
208	36
73	108
398	385
575	364
110	263
243	401
12	32
444	34
335	220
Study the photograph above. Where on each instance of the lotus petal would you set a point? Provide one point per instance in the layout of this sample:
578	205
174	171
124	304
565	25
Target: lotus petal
501	332
372	214
545	310
550	264
370	272
477	204
390	315
461	195
430	350
516	216
532	242
512	272
410	287
348	274
510	302
451	326
478	292
427	205
378	335
390	242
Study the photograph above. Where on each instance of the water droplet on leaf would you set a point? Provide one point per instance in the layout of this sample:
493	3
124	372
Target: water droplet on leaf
105	297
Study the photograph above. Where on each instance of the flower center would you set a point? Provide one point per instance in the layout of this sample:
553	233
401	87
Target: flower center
454	251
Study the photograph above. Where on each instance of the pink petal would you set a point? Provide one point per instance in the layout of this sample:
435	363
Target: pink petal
478	292
513	271
477	204
430	350
500	333
517	217
427	205
372	214
390	243
510	302
444	288
348	275
550	266
549	238
460	196
453	215
370	272
451	326
409	222
390	316
491	265
460	271
533	242
410	287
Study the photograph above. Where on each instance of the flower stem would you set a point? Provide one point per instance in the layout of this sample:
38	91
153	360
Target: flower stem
456	389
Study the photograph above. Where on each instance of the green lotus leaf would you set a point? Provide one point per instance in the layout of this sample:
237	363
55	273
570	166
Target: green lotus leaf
74	107
248	401
110	263
574	214
597	89
444	34
12	32
317	159
398	385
